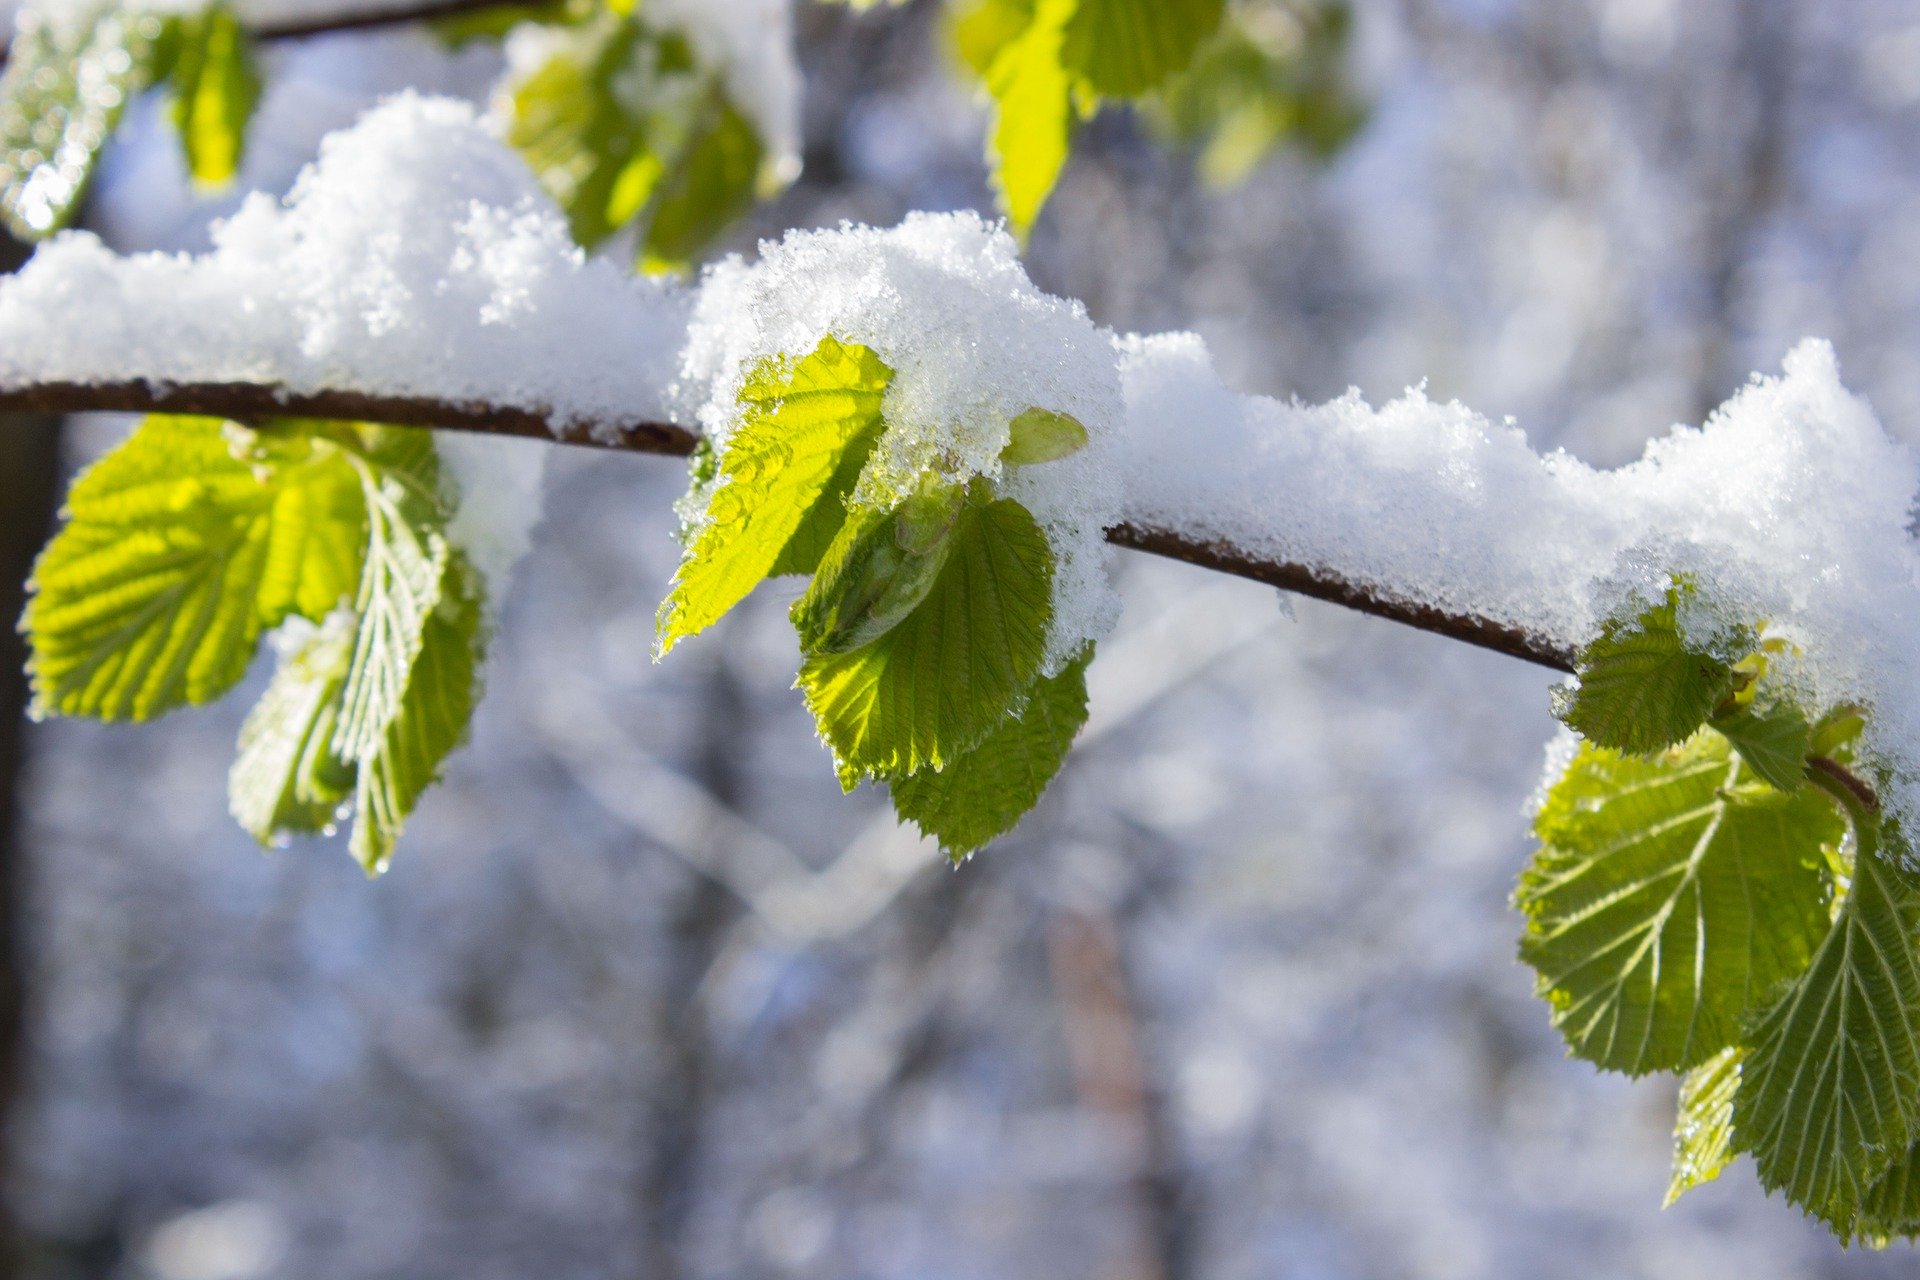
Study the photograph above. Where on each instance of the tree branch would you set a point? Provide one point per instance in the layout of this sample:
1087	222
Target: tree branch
350	20
255	402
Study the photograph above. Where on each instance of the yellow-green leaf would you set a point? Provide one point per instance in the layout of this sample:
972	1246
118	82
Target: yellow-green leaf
215	89
802	420
178	549
1033	116
71	69
1703	1129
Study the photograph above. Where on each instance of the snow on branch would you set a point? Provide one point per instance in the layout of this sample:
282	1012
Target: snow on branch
417	275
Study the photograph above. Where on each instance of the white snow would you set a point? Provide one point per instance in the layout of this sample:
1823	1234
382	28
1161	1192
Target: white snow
418	257
415	256
498	486
944	301
1791	508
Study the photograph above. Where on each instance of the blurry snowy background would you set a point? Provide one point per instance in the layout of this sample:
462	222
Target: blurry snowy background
644	997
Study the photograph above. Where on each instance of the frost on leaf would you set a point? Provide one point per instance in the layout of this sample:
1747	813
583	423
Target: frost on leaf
1643	685
1703	1127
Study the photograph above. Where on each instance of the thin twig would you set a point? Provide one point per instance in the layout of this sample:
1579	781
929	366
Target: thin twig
363	19
255	402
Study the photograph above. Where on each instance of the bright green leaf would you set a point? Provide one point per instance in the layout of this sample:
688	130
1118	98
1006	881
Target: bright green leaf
215	89
822	523
979	29
1033	115
1641	687
934	686
622	123
1038	436
1831	1081
1703	1130
777	469
1123	48
179	548
1670	897
984	792
70	72
713	185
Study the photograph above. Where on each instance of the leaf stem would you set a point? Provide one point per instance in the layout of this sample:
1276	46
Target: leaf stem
1853	792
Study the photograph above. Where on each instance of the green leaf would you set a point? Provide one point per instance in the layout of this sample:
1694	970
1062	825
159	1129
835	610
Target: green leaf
1039	436
1033	115
979	30
824	519
1266	79
714	184
933	687
1123	48
1772	737
1703	1130
405	568
179	548
285	778
983	793
431	721
215	89
1641	688
878	571
621	123
1831	1081
1892	1205
777	471
1671	896
70	72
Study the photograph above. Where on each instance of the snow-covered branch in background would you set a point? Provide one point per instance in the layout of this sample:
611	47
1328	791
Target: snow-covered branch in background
416	274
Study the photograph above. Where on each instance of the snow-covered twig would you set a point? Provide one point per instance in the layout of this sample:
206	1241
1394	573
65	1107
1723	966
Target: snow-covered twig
255	402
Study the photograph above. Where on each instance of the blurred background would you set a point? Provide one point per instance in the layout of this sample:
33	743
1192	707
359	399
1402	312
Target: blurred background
645	997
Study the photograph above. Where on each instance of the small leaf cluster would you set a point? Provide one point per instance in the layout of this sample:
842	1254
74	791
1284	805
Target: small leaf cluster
1237	79
69	78
924	628
1717	894
621	121
185	545
626	128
